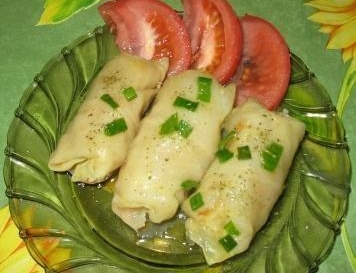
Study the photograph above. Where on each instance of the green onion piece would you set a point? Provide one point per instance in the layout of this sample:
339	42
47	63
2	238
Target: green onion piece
226	139
231	229
109	100
224	155
189	184
184	128
243	152
170	125
115	127
129	93
196	201
271	155
204	89
228	242
185	103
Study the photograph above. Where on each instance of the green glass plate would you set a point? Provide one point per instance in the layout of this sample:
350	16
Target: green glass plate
70	226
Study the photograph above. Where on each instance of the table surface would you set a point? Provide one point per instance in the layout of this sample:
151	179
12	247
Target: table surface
25	48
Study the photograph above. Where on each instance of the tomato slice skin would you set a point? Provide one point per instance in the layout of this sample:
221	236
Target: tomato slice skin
265	68
150	29
216	36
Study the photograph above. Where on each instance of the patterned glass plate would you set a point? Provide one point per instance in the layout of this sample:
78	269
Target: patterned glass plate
70	227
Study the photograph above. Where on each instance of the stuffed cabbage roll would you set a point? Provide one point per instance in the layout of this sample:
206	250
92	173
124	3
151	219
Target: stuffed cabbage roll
176	143
96	141
240	188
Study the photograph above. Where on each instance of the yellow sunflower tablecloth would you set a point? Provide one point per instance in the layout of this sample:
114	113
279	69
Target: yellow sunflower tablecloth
29	38
14	256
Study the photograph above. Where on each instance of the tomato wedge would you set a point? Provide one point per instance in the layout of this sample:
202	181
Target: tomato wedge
150	29
216	36
265	68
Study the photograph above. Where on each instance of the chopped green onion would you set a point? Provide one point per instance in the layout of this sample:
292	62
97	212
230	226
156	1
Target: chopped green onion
173	124
226	139
204	89
271	156
185	103
224	155
228	242
109	100
231	229
189	184
243	152
170	125
129	93
184	128
115	127
196	201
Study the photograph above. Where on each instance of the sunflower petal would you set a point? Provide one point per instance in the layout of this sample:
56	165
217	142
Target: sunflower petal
56	11
327	7
334	3
347	86
15	257
21	261
347	53
4	218
333	18
58	255
327	28
343	37
10	238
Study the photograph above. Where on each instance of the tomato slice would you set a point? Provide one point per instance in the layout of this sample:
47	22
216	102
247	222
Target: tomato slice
264	71
216	36
150	29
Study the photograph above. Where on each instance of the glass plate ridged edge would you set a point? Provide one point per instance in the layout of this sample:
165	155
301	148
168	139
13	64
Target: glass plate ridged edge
297	238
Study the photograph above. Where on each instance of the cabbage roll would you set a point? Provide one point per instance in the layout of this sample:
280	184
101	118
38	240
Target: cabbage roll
235	197
96	141
176	143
